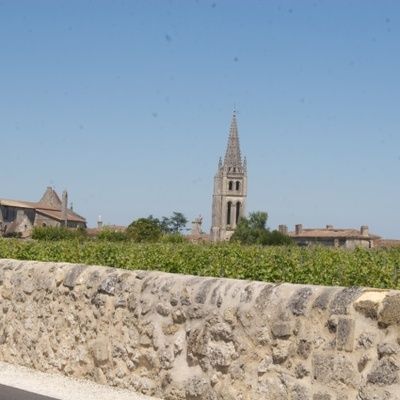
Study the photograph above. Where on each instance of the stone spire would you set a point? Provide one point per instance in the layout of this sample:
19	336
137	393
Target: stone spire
232	155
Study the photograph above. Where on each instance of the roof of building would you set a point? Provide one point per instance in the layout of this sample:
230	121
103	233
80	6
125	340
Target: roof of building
331	233
58	215
387	243
49	205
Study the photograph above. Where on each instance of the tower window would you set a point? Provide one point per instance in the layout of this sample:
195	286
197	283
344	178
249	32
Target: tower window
237	185
230	185
228	213
238	205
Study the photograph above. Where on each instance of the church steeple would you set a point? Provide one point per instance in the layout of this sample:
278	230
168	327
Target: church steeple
233	157
230	188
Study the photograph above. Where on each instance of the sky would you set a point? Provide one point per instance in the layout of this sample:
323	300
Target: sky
127	105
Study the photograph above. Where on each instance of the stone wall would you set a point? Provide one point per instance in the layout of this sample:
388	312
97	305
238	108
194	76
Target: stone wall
182	337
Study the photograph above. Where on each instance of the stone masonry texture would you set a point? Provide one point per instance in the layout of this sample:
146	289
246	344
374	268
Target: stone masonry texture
180	337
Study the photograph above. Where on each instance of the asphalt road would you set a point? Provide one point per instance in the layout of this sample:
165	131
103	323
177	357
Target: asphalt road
10	393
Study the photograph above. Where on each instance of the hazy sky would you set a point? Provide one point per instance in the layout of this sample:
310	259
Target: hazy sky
127	104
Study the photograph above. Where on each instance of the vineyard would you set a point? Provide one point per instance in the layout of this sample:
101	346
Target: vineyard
325	266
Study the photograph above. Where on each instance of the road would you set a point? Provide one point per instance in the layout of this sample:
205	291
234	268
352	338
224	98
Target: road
10	393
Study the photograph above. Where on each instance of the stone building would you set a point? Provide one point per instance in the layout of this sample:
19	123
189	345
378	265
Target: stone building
333	237
19	217
230	189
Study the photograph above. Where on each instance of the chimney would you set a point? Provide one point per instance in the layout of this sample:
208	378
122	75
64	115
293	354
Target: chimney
64	208
283	229
299	229
364	231
99	222
329	227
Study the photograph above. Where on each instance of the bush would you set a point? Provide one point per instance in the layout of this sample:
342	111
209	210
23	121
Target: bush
57	233
112	236
276	238
145	230
316	265
173	238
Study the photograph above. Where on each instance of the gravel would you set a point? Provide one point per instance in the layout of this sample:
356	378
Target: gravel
60	387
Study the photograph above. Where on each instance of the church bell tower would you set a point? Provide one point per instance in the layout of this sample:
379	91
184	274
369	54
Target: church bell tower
230	189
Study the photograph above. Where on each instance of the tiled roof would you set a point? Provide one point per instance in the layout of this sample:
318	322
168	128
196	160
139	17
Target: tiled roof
331	233
58	215
18	203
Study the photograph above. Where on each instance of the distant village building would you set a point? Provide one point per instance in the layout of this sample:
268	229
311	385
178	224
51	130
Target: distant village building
333	237
19	217
230	189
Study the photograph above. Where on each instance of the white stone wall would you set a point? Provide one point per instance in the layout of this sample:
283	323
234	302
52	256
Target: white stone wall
185	338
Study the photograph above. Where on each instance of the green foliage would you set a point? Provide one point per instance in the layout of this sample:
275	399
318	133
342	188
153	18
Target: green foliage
145	230
173	238
152	229
174	224
253	230
57	233
177	222
112	235
276	238
316	265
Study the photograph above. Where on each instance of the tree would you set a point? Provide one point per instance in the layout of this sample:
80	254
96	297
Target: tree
253	230
175	224
145	229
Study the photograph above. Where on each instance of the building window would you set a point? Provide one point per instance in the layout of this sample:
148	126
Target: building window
238	211
237	185
228	213
230	185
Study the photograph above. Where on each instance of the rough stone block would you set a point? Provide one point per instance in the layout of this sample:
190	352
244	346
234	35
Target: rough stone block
340	303
178	316
107	286
281	351
384	373
387	349
369	302
345	334
298	302
304	349
72	276
390	313
163	310
282	330
198	388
